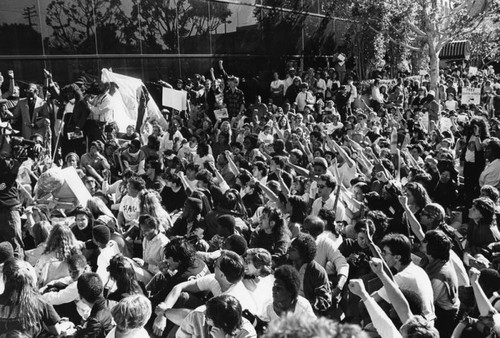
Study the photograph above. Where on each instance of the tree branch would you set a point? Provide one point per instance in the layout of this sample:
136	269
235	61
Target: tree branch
415	29
396	42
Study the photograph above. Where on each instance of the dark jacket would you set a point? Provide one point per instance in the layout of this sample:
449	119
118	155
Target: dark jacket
99	323
316	287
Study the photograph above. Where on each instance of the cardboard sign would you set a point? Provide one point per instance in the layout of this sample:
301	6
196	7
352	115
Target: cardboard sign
472	70
176	99
445	123
221	114
471	96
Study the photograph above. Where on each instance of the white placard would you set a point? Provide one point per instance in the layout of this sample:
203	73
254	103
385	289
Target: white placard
472	70
471	96
221	114
173	98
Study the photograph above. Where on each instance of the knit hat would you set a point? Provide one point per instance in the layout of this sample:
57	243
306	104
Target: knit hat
6	251
101	234
236	243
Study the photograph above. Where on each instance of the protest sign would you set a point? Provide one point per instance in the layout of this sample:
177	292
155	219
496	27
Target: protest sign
221	114
471	95
173	98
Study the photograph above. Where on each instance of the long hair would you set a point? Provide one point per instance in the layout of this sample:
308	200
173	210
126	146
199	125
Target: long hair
420	195
150	204
98	208
62	242
21	294
122	271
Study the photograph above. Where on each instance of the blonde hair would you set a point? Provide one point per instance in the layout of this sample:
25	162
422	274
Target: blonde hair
132	313
62	242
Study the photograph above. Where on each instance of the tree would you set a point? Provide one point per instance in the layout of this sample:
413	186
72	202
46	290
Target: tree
160	25
485	42
75	22
426	23
286	28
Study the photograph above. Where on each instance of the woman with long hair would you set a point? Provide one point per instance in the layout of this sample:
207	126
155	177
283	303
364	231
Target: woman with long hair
99	210
121	271
61	245
150	204
21	306
272	235
418	198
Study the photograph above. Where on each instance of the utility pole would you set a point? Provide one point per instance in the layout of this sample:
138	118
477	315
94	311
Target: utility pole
30	13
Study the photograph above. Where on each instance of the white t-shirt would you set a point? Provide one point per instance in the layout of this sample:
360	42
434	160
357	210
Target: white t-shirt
303	309
415	279
140	333
238	290
130	207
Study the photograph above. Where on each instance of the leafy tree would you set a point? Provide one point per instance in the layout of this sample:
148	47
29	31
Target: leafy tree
429	24
160	25
485	41
74	24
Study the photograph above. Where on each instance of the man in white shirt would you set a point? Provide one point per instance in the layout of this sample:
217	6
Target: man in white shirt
327	253
226	279
396	250
304	97
326	186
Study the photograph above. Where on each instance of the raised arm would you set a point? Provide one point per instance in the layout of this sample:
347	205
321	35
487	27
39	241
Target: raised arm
396	297
414	223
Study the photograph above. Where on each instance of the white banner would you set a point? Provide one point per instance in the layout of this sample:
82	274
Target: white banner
126	101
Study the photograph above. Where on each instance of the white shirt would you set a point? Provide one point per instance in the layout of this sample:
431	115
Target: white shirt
103	259
329	257
130	207
490	174
415	279
152	251
318	204
138	333
238	290
66	295
303	309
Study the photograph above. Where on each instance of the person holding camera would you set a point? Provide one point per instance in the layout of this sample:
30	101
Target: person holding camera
10	161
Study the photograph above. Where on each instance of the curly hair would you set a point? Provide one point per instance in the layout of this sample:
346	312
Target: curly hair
275	215
182	251
62	242
261	259
290	278
306	246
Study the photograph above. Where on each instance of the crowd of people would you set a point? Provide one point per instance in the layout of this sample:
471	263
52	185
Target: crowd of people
320	207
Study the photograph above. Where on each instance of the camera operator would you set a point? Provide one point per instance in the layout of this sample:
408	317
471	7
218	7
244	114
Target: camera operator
11	157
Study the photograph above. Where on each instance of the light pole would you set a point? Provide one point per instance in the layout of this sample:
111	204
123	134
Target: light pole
225	22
